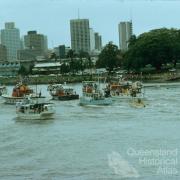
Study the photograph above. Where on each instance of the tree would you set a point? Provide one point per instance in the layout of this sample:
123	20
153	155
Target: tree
71	54
132	41
157	47
65	68
109	57
31	69
82	55
53	56
22	70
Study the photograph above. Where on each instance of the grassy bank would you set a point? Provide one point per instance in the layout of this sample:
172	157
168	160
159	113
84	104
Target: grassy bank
47	79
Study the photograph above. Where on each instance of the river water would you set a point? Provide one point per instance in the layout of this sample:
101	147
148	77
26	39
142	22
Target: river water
95	143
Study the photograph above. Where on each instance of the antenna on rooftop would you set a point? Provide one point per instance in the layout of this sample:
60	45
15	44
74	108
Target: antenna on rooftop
52	42
131	15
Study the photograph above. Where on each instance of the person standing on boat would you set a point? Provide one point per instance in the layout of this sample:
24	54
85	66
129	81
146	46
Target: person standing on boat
40	94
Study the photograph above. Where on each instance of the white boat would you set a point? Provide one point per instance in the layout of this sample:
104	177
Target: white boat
19	92
30	110
8	99
92	95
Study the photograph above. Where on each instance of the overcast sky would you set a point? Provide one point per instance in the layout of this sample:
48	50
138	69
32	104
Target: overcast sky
51	17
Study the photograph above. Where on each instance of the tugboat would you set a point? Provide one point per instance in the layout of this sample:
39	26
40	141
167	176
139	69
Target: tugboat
29	109
19	92
92	95
62	93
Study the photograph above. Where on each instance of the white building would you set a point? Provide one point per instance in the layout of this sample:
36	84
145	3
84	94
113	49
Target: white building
98	41
10	37
80	35
92	40
125	33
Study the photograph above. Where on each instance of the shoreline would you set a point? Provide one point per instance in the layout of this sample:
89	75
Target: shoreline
48	79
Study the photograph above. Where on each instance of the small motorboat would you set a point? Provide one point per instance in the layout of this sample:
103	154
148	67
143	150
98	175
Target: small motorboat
62	92
29	109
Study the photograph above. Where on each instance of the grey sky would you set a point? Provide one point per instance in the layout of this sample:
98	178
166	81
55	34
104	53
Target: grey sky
51	17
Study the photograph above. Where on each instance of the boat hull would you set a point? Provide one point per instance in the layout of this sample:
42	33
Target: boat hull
100	102
120	97
41	116
66	98
13	100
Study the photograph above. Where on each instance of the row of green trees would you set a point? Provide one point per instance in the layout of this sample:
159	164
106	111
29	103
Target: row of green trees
155	48
78	62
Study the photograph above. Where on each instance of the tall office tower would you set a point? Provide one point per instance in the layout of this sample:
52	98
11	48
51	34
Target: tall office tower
45	43
92	39
10	37
80	35
98	41
36	42
62	51
125	33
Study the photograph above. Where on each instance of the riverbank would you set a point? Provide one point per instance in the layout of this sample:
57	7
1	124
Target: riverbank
47	79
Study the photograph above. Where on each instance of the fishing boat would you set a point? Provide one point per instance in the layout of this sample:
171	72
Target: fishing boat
92	95
124	89
120	90
19	92
29	109
62	92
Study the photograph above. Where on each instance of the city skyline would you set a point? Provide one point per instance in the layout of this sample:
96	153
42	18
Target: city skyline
52	17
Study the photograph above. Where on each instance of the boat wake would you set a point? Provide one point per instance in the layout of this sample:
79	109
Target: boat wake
121	167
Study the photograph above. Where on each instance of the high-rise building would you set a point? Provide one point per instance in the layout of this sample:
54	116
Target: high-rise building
61	51
92	40
80	35
35	41
125	33
10	37
98	41
34	44
3	53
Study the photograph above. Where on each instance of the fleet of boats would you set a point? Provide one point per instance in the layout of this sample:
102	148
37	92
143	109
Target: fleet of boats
30	105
